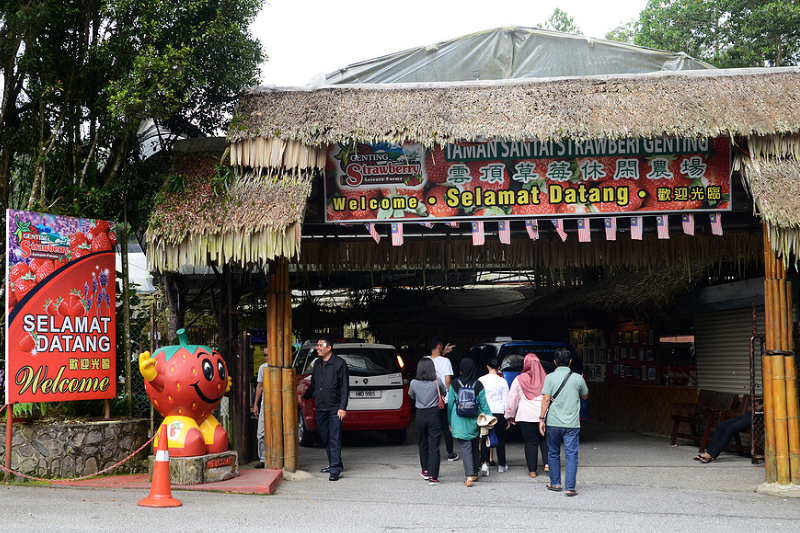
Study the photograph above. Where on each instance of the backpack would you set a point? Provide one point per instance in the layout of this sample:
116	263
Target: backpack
467	401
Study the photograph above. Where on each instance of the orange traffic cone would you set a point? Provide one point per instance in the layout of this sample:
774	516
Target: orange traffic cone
160	493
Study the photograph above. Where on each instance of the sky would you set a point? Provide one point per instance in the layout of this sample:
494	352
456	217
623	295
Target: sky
304	38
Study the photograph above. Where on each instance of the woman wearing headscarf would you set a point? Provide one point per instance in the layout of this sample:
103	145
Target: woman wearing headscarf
465	428
524	408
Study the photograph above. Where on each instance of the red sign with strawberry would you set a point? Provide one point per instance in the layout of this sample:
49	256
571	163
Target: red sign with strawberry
60	308
506	179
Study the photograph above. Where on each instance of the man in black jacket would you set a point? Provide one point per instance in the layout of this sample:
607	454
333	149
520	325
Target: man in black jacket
330	388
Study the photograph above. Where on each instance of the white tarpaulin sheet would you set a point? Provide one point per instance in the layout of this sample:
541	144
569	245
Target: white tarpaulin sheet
512	52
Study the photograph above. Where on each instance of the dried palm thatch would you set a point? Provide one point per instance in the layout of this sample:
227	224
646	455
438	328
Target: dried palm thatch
262	153
635	291
742	249
771	172
735	102
219	216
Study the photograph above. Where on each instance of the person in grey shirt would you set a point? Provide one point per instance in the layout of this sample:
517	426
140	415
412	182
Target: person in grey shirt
425	390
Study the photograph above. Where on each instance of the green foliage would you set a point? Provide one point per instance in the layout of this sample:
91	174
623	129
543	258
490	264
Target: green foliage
726	33
81	79
561	21
175	184
221	179
624	33
24	410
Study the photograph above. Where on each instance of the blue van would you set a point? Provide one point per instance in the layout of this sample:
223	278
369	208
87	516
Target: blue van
511	354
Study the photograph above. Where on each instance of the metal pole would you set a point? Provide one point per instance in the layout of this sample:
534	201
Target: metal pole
9	438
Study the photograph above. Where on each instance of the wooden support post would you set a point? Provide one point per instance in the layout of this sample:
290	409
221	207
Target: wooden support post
289	420
277	418
781	428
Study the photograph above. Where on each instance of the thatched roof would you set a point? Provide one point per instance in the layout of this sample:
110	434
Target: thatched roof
702	103
211	214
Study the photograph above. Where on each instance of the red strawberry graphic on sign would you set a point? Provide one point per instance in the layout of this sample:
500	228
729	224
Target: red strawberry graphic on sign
47	268
51	307
80	251
76	239
36	263
439	209
19	270
436	167
27	343
634	199
73	305
98	227
12	298
24	285
100	243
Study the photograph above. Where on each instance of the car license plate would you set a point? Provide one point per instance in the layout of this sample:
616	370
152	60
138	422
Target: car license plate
365	394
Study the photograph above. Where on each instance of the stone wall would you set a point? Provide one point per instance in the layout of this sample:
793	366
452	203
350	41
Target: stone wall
75	450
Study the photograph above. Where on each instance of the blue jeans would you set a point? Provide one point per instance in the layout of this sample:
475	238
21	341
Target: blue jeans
569	436
330	431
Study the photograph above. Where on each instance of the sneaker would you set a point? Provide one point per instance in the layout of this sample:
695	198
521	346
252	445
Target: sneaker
452	457
433	481
502	468
424	474
485	470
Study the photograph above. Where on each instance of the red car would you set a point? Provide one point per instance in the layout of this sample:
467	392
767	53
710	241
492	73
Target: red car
379	399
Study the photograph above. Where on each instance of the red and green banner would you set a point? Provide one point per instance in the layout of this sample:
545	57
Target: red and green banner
60	308
505	179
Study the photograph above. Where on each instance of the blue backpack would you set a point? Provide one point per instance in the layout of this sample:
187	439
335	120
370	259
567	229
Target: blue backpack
467	401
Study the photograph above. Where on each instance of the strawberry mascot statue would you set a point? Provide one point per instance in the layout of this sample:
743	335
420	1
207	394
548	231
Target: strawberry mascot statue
185	383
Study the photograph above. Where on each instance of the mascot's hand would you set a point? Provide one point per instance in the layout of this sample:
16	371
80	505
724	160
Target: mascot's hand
147	366
230	384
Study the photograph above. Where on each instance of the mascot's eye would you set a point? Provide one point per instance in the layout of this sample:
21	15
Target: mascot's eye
221	369
208	369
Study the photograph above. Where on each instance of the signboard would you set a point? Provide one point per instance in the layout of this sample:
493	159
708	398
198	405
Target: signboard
60	308
504	179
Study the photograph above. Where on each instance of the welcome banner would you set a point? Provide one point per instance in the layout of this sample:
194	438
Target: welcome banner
60	308
503	179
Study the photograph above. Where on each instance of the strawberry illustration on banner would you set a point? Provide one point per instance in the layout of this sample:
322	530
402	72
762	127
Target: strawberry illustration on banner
477	233
662	223
611	228
687	219
60	308
636	228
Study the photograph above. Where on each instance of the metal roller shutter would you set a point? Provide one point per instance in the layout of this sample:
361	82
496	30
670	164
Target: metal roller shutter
722	347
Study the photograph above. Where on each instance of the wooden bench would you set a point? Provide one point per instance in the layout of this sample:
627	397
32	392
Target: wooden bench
745	407
700	416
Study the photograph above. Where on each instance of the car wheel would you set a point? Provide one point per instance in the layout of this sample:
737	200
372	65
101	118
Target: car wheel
396	436
304	437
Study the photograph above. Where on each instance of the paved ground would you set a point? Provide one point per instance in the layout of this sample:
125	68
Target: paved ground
626	482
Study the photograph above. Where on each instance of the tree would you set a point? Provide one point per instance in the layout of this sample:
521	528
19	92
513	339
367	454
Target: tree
561	21
726	33
81	76
624	33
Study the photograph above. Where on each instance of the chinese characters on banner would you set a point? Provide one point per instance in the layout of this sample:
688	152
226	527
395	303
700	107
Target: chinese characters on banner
60	308
504	179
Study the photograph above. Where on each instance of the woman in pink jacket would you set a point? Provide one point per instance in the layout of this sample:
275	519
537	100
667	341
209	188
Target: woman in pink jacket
524	408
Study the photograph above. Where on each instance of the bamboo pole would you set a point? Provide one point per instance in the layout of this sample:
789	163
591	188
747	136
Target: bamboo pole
289	420
770	464
783	345
279	311
792	426
266	409
276	452
781	427
287	318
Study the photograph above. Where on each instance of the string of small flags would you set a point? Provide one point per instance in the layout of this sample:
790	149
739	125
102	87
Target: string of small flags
584	229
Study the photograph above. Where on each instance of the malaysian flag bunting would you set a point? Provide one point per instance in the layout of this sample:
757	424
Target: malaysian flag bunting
397	234
373	232
662	223
584	230
533	228
611	228
428	225
636	228
559	225
688	223
451	224
504	231
477	233
716	223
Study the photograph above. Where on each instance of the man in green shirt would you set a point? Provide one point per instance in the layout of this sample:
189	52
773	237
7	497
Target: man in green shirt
562	393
